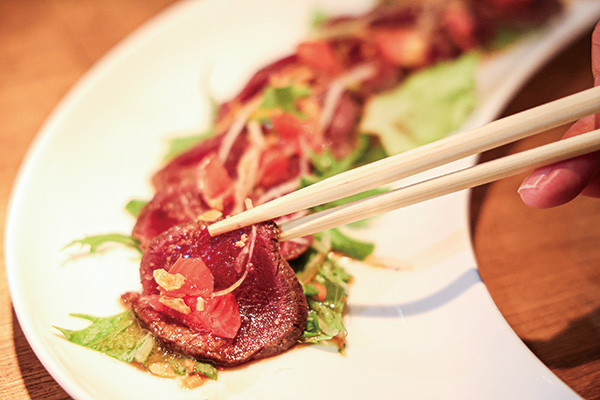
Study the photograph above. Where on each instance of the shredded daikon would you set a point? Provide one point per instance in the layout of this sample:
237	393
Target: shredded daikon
337	88
332	98
255	134
232	287
236	128
247	167
200	303
142	353
279	190
242	257
247	172
312	268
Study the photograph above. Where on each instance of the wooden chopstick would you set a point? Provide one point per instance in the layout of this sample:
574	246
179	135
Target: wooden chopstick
393	168
442	185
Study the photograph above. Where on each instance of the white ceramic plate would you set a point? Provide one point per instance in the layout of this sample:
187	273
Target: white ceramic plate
429	332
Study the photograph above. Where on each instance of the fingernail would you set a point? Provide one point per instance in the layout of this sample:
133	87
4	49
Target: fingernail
533	181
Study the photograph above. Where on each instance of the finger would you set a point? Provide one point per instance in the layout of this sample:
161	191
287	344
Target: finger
596	53
596	62
561	182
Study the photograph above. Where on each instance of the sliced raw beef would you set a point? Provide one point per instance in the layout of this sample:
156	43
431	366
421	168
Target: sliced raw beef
184	168
271	303
171	206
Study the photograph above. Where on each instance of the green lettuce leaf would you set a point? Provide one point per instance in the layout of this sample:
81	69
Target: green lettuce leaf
118	336
325	318
95	241
179	145
309	289
326	165
351	247
134	207
318	19
427	106
121	337
284	98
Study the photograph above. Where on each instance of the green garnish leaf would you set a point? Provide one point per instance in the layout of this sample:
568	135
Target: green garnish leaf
118	336
207	370
427	106
309	289
329	322
96	241
179	145
180	364
312	330
351	247
134	207
373	152
284	98
324	320
318	19
326	165
337	275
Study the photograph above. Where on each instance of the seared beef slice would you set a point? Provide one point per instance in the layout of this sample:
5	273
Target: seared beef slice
271	302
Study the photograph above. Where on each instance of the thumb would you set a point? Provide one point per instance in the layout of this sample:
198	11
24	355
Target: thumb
596	64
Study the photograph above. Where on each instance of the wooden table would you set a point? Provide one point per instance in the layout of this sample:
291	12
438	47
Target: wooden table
541	267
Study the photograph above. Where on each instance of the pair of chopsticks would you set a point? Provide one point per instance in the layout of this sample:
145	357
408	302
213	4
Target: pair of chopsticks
451	148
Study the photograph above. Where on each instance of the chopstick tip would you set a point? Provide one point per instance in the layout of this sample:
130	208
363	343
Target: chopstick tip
228	224
219	227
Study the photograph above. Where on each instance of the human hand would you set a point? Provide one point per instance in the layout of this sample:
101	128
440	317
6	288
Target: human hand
559	183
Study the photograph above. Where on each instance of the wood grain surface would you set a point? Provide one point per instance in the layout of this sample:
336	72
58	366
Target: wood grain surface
542	267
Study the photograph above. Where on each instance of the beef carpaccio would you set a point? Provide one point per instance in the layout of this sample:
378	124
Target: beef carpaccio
234	298
259	307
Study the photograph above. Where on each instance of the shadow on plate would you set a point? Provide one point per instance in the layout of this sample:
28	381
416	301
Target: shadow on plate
426	304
